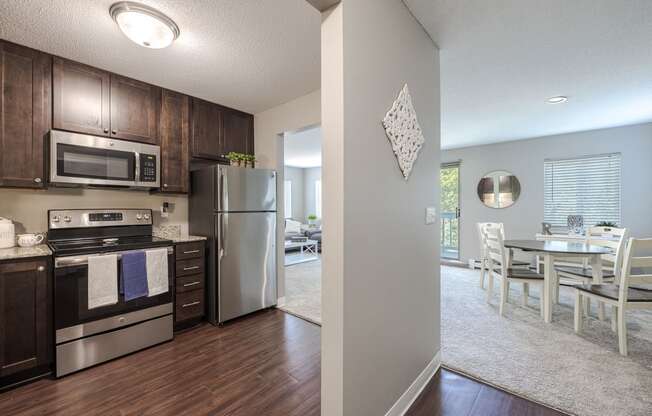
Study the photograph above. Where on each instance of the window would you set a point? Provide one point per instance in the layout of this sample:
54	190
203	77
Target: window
318	198
587	186
287	192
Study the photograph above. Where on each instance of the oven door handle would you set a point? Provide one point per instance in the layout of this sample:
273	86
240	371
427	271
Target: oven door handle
74	261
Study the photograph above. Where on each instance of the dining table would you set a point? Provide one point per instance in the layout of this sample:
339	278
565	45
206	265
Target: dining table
552	250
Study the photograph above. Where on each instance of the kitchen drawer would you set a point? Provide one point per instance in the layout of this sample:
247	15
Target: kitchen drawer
190	266
190	250
190	283
189	305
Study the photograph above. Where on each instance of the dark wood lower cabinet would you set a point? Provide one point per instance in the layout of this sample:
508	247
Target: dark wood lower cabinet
25	319
190	296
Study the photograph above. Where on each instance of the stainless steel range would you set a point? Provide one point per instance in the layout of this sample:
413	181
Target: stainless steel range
88	336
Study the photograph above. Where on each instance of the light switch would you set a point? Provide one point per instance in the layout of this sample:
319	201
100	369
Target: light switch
431	215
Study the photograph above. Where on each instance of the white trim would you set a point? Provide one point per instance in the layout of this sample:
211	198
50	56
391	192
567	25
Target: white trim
280	301
410	395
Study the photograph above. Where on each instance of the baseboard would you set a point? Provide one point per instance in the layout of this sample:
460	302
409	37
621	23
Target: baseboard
406	400
280	301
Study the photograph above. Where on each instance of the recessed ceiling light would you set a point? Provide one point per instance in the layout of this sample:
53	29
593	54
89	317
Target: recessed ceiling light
557	99
144	25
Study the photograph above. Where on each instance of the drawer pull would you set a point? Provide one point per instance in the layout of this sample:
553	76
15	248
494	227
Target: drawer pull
191	284
191	252
190	268
190	304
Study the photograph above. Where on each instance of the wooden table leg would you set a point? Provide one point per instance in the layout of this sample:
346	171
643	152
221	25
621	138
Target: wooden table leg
596	268
548	265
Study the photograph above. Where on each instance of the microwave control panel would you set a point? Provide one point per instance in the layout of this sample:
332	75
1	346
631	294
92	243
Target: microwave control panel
147	168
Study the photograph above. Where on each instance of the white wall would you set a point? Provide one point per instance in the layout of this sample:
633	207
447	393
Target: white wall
381	286
269	126
296	176
525	159
29	207
310	176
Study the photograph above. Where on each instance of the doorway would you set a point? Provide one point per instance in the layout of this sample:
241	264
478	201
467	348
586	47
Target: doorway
450	210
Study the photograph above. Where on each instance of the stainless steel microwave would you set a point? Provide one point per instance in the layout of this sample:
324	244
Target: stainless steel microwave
81	159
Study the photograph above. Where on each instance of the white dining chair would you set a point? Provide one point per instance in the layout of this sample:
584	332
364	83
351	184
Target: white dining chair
500	266
484	259
612	262
636	270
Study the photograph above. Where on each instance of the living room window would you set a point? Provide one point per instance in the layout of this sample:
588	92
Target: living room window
318	198
588	186
287	195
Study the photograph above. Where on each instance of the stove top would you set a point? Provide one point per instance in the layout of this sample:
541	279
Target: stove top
106	244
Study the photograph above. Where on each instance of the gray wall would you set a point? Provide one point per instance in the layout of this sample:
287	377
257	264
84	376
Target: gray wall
296	176
381	269
525	159
310	176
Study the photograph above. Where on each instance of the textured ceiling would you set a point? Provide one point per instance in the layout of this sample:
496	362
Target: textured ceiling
303	149
501	59
248	54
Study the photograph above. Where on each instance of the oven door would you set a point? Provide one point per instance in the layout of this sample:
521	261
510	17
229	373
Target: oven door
71	294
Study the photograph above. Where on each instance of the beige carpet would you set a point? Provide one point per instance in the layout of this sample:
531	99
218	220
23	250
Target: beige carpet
303	291
548	363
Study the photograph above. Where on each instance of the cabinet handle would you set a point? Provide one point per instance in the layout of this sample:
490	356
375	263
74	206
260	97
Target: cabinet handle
190	268
165	185
191	284
37	180
40	268
191	252
106	130
114	132
190	304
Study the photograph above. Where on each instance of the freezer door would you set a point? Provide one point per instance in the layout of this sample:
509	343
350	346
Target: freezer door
246	259
245	189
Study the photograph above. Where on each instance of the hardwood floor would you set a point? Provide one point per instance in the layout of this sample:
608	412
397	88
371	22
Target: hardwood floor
264	364
267	364
451	394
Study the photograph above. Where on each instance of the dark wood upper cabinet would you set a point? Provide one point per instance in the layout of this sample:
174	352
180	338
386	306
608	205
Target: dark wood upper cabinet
25	114
135	110
207	130
25	316
238	132
81	96
175	132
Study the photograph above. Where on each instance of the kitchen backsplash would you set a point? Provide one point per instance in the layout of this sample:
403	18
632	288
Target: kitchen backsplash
28	208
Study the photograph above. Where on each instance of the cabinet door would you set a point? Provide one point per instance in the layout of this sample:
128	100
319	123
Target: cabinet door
238	132
25	114
25	316
81	98
135	110
207	125
175	129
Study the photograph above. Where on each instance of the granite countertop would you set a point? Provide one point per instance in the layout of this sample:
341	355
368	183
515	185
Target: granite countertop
184	238
173	232
24	252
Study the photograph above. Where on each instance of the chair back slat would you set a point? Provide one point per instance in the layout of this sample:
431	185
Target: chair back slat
613	238
482	234
497	254
636	269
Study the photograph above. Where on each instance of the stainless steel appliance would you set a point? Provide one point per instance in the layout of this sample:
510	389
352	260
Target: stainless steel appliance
81	159
83	336
236	209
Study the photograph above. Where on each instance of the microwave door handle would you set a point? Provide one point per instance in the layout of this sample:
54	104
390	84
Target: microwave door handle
137	164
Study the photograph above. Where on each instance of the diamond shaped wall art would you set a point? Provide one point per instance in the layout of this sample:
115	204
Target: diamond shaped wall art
404	132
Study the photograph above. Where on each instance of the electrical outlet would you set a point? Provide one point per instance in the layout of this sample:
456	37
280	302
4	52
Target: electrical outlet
431	215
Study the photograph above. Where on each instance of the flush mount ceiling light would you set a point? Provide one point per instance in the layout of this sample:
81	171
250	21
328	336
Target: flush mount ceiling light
557	99
144	25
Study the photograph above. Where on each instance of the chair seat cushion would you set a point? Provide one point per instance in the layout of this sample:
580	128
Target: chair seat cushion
611	292
582	272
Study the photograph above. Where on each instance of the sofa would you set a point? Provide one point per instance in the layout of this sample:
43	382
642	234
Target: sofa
295	229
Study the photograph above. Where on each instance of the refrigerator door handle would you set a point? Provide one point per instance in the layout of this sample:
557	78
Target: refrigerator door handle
225	191
224	223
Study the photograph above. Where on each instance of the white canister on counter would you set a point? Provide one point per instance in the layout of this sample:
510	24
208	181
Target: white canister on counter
7	233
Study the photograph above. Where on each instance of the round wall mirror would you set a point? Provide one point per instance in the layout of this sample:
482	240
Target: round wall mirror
499	189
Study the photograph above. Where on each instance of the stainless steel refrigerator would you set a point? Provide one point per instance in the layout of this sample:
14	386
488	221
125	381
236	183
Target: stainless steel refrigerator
236	209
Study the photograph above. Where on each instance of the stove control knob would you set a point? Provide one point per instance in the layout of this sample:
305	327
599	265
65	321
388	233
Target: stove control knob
139	217
146	216
56	218
67	219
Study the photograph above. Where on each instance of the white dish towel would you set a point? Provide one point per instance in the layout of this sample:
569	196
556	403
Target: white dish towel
157	271
102	281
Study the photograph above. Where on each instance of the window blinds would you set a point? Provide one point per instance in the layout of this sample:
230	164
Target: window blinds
587	186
